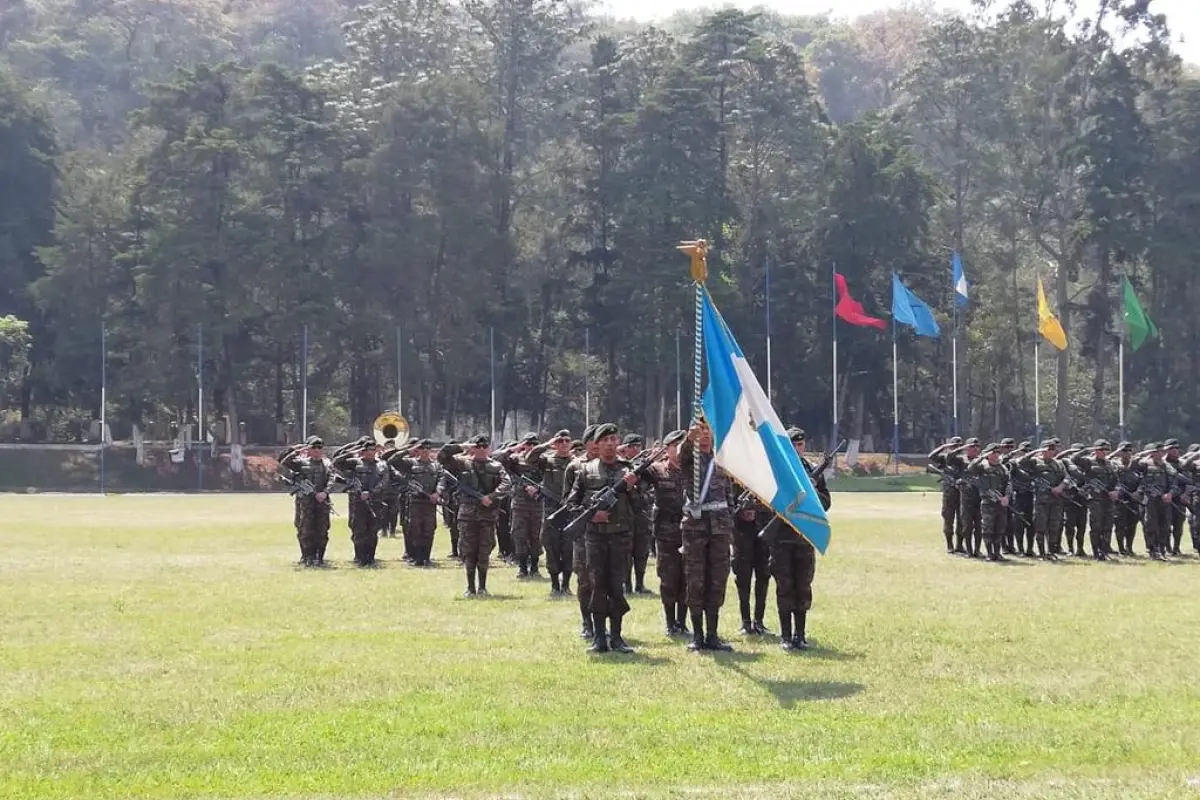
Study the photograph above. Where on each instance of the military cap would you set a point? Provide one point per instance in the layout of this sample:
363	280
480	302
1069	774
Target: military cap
631	439
796	434
1193	448
563	434
972	442
1053	441
315	442
529	438
424	444
589	433
990	448
1124	447
607	429
1154	446
1102	444
412	440
674	437
577	444
370	445
1025	444
1008	441
955	440
479	441
1169	443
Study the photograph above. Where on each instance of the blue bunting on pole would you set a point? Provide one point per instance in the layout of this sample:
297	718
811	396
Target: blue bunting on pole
911	310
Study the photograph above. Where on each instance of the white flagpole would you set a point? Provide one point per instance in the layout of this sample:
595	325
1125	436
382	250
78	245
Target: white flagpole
587	369
1037	389
492	358
103	406
678	385
399	374
1121	381
895	401
835	366
770	395
954	362
203	440
304	387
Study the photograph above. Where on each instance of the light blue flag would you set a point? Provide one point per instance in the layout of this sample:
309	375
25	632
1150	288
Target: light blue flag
960	280
911	310
750	442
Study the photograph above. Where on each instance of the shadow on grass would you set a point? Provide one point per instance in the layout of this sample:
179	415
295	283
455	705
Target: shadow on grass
638	657
789	693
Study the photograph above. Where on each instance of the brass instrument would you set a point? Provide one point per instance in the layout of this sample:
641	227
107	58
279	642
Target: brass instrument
390	425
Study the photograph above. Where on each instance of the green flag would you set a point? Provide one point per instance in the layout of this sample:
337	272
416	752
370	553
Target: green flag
1138	323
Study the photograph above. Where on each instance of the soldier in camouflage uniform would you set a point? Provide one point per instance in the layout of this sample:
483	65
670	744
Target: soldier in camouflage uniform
389	496
550	462
957	461
1020	517
1190	468
504	539
421	476
707	535
989	477
583	578
365	476
525	511
312	511
1049	479
793	563
751	560
1157	485
639	498
668	481
1128	508
482	482
1075	510
951	521
1182	484
1100	479
609	537
450	515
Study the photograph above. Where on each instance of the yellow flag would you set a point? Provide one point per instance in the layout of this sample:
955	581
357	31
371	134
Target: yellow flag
1048	324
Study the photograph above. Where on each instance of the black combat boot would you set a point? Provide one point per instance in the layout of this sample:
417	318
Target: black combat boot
800	638
785	631
747	628
554	588
483	579
566	582
639	579
533	567
681	619
712	641
585	629
615	642
760	606
697	632
522	569
599	637
470	592
669	616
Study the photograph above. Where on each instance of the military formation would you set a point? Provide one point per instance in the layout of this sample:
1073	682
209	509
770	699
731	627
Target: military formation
1008	499
598	508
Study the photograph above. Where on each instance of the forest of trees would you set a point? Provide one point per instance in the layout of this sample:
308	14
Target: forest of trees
238	170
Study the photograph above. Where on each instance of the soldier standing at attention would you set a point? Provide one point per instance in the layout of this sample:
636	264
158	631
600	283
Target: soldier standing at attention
951	521
525	512
366	476
991	481
751	560
794	563
1049	479
422	475
1158	481
389	495
640	500
1075	512
1021	516
450	515
707	529
312	511
968	498
1101	477
579	546
550	462
1178	509
1128	508
609	537
668	481
482	483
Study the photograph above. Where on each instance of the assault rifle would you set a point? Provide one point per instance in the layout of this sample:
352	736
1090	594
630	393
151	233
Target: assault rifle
462	488
303	487
605	500
825	462
547	496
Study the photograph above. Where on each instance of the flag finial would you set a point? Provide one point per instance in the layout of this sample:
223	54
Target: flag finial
697	249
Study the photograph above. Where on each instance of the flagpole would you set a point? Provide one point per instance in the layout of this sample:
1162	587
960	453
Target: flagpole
698	251
678	384
1121	381
103	406
587	369
833	439
954	363
895	401
200	407
304	387
770	394
1037	390
399	374
492	360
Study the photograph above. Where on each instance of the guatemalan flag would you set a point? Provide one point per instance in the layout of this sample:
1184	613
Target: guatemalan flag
750	442
959	278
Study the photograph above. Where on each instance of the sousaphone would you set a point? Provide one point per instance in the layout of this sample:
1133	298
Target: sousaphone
390	425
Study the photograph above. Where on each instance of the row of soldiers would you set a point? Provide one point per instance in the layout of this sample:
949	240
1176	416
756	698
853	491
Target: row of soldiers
1009	498
597	512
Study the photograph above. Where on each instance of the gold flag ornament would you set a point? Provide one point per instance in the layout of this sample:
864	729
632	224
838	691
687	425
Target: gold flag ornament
1048	324
698	251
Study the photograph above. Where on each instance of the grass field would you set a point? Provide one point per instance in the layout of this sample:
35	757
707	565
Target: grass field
166	647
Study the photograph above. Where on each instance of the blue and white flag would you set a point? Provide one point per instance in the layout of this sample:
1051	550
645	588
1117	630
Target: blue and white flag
911	310
750	442
960	280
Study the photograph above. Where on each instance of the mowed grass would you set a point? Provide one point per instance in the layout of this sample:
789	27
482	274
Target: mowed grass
167	647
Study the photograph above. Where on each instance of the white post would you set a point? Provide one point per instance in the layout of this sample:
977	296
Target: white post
399	375
678	385
587	369
1037	388
1121	383
895	401
954	365
770	395
304	387
492	353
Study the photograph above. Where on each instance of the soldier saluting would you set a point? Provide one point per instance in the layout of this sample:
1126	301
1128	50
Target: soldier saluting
481	483
365	477
420	476
307	462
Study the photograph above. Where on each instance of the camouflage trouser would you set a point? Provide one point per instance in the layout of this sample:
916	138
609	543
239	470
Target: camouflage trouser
450	520
1075	524
1194	508
419	528
401	514
312	527
583	577
641	543
1127	515
558	548
1022	531
388	513
364	531
1048	520
968	512
503	529
751	557
672	586
706	543
608	563
1156	524
793	566
476	539
993	518
1100	515
525	521
1179	515
951	521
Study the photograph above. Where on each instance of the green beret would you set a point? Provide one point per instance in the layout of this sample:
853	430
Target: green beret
1053	441
1025	445
1102	444
1124	447
589	433
796	434
674	437
1154	446
972	442
1008	441
954	440
607	429
563	434
1169	443
479	441
529	438
315	443
632	439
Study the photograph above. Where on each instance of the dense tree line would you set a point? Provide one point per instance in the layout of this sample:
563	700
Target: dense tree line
207	179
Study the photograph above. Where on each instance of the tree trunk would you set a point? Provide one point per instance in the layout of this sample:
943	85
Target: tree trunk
1104	265
1062	400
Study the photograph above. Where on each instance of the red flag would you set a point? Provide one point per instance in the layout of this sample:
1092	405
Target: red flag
850	309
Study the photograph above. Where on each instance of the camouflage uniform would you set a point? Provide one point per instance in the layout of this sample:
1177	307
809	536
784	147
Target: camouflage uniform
1191	469
641	503
557	544
706	545
751	561
476	522
968	505
371	475
951	521
311	517
793	564
1128	508
421	522
450	520
1075	509
1021	518
1101	476
583	578
991	482
1047	473
1178	508
525	516
669	482
1158	479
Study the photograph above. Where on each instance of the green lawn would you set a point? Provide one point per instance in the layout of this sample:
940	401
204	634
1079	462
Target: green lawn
166	647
